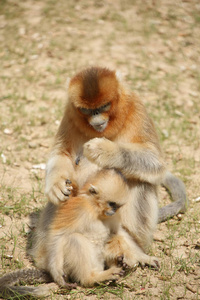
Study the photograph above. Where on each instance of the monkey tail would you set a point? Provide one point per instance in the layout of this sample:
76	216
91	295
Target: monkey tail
30	276
176	188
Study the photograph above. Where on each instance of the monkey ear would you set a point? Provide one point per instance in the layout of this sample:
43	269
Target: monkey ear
118	75
93	190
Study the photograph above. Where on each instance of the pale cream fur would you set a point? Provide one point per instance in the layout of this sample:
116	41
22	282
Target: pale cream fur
76	249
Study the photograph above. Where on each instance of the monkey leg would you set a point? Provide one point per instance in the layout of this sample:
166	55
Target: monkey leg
112	273
82	257
121	246
133	252
114	250
84	261
119	251
55	258
140	214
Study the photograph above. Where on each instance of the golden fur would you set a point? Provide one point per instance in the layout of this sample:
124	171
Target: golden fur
71	236
128	143
91	137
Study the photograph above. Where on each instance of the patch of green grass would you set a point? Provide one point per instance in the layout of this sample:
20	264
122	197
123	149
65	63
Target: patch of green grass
14	203
8	261
196	17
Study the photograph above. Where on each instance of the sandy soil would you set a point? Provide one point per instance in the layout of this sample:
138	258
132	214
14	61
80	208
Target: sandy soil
155	45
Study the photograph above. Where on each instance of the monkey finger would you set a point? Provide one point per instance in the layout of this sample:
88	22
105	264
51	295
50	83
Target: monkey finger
142	265
125	266
116	270
71	188
122	263
68	182
54	197
67	191
58	194
120	258
70	286
62	195
121	273
152	262
156	264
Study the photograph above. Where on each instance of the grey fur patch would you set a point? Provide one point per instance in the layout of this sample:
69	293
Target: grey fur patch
137	160
143	204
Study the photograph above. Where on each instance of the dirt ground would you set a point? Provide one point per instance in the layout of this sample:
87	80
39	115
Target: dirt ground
155	44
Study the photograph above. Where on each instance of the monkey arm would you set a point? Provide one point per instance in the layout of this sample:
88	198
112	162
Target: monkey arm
143	162
138	161
59	178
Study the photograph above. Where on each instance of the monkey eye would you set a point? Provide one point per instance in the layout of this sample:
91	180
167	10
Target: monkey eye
105	107
93	190
85	111
96	111
113	205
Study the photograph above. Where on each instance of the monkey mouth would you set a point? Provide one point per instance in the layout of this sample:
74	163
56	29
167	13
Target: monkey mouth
100	127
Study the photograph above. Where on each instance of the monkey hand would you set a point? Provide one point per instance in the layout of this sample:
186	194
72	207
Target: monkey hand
60	190
100	151
114	273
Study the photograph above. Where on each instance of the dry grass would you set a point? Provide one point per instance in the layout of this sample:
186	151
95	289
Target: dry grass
156	45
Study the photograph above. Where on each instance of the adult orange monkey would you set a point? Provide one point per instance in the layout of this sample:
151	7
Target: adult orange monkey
106	126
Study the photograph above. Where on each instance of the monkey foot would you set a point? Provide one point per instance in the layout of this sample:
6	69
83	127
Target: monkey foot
153	263
67	285
122	263
70	286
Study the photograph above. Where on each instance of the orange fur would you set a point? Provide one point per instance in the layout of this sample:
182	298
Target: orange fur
123	137
128	119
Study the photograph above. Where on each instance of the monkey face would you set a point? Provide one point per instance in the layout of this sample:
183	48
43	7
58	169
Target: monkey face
94	96
98	118
105	203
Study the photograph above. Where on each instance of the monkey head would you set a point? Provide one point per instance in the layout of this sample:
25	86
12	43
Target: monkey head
94	96
108	191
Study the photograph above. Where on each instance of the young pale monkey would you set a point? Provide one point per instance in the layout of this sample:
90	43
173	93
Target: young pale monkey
75	238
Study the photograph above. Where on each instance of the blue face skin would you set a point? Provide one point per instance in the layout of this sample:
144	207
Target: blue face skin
96	119
112	208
